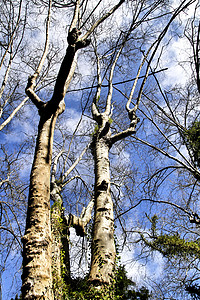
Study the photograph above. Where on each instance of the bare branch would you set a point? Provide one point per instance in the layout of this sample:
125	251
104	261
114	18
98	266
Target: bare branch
75	163
54	168
13	113
75	16
12	35
14	235
32	79
95	111
121	135
155	201
100	20
190	168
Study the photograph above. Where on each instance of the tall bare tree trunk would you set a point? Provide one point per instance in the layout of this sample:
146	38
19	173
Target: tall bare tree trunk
36	276
103	249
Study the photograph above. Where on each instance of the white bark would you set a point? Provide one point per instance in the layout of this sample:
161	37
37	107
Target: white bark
103	248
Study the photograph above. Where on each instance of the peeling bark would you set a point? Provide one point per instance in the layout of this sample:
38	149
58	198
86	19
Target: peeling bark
36	275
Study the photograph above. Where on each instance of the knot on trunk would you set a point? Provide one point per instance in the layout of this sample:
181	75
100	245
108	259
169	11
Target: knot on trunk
73	39
133	118
73	36
103	186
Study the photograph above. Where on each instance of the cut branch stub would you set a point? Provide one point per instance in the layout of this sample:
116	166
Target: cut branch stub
194	218
78	224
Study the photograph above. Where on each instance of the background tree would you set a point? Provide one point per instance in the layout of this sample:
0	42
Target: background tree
172	188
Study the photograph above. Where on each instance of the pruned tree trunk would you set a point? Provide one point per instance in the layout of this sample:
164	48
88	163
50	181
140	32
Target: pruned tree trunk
103	245
103	249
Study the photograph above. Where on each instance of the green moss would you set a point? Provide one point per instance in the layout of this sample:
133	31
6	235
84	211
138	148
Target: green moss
192	135
110	120
56	204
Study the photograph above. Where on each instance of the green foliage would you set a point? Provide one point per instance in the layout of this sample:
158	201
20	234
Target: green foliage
153	221
96	128
57	205
171	245
192	135
60	228
194	291
123	289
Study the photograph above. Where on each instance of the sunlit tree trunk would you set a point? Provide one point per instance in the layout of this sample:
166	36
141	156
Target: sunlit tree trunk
103	249
36	276
37	243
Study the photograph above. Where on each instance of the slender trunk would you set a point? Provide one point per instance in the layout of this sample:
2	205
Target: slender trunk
36	275
103	248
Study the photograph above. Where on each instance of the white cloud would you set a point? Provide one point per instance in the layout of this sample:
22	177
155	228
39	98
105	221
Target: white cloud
138	269
135	270
178	51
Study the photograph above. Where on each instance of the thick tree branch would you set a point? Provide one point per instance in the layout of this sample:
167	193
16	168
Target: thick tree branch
75	16
121	135
31	94
79	223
